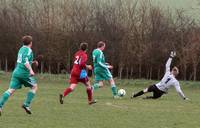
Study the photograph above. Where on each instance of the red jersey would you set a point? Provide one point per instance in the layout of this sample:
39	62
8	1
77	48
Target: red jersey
80	59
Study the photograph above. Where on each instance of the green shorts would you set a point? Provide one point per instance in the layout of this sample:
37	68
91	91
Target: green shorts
102	75
16	82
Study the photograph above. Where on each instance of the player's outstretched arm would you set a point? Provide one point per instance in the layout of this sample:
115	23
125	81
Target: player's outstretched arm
169	61
179	91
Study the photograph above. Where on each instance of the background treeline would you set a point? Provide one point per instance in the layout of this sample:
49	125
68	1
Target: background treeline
139	35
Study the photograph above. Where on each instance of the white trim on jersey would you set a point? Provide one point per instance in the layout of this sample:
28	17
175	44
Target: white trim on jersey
29	50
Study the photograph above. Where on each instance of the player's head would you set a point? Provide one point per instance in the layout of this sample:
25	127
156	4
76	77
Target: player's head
84	46
27	40
101	45
175	71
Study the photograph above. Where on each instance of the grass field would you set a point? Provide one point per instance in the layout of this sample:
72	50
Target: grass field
168	112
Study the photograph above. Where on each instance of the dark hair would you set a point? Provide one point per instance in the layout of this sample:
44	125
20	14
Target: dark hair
27	40
100	44
84	46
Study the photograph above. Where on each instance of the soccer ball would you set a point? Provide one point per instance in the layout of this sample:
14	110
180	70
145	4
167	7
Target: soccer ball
121	92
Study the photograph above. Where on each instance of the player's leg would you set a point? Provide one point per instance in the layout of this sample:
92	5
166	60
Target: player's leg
30	96
73	83
108	76
139	93
69	89
98	80
97	85
146	90
113	87
89	92
155	96
156	93
29	82
5	97
14	85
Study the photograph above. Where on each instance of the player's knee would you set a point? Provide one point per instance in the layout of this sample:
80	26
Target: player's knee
34	88
72	88
87	84
89	87
11	91
112	81
101	84
145	90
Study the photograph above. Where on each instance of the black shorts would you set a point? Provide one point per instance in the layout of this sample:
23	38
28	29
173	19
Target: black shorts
156	92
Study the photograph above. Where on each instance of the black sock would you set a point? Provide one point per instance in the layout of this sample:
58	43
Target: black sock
138	94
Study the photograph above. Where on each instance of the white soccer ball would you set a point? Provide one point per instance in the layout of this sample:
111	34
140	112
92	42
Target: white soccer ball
121	92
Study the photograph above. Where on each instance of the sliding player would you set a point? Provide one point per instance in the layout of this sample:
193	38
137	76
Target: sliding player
167	82
101	69
22	75
79	74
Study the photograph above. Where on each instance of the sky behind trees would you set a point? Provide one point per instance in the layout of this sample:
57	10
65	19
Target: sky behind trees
192	7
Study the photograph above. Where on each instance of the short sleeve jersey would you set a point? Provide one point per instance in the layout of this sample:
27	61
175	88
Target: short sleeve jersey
25	55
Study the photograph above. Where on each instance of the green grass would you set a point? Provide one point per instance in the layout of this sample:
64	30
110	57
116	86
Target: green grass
168	112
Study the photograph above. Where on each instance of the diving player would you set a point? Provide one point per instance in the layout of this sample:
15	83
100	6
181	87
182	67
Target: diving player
169	80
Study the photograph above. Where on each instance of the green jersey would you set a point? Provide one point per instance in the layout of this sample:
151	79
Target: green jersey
101	70
99	60
25	55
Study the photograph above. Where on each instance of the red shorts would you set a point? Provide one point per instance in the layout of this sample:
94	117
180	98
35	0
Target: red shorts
75	79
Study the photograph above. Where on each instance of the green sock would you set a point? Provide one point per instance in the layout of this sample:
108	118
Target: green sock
4	98
29	98
114	89
95	86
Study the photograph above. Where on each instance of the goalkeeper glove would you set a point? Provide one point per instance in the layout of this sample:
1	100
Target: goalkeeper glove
172	54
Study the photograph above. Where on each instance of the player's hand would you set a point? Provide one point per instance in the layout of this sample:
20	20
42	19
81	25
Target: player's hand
35	62
172	54
32	73
39	58
110	67
89	67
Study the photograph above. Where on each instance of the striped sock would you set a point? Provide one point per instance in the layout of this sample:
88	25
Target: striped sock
114	89
29	98
4	98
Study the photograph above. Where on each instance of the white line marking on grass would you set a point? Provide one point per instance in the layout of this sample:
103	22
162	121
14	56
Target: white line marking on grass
116	106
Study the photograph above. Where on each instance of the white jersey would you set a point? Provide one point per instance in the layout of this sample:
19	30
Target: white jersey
169	80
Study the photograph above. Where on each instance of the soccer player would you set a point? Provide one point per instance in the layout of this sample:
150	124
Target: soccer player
79	74
167	82
101	69
22	75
